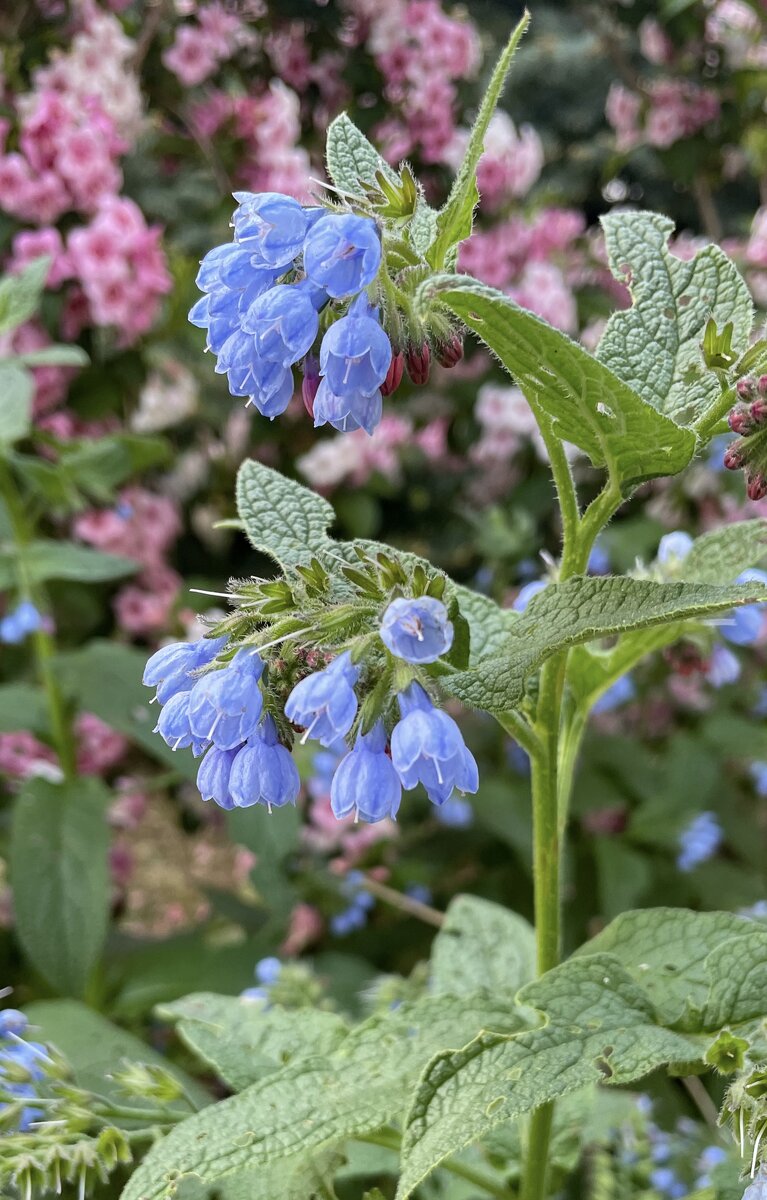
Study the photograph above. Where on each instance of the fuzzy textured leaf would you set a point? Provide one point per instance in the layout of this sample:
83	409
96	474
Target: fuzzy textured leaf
352	159
316	1103
655	346
582	610
282	519
489	624
586	403
482	946
242	1042
721	555
16	390
598	1025
60	878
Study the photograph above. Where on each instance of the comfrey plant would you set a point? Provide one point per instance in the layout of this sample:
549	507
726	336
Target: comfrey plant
359	647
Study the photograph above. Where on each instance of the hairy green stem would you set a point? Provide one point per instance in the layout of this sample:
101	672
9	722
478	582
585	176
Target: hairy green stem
517	727
43	644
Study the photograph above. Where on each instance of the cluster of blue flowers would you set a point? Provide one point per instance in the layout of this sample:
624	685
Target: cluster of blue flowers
289	271
267	971
219	712
24	1064
17	625
699	841
360	903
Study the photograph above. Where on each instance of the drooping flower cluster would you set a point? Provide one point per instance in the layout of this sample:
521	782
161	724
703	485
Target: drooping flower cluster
240	717
264	293
749	419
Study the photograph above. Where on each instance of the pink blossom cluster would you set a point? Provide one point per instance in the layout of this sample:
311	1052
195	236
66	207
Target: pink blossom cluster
67	158
422	54
51	382
199	48
142	526
510	164
355	457
666	111
99	749
738	28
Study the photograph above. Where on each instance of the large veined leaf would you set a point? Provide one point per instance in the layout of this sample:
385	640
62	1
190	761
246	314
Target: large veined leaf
582	610
586	402
316	1103
655	346
282	519
598	1025
45	559
60	878
242	1042
482	946
721	554
353	160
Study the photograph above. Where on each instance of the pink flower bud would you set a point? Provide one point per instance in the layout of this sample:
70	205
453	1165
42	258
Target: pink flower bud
733	457
756	486
739	419
761	385
394	374
451	352
745	387
759	411
418	362
310	383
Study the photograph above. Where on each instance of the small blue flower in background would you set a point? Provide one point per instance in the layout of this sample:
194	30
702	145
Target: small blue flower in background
272	227
711	1157
755	912
324	704
417	630
723	667
665	1180
455	813
324	765
427	747
263	771
699	841
355	915
673	548
267	970
759	775
366	782
617	694
526	594
599	560
17	625
517	758
419	892
716	452
225	705
744	625
342	253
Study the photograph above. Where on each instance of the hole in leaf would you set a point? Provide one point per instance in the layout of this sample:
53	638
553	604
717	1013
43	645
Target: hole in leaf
683	301
669	313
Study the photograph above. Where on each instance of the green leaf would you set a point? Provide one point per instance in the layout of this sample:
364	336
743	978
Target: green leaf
60	878
721	555
482	947
586	403
16	391
351	159
243	1043
313	1104
489	624
282	519
44	559
456	218
20	294
54	356
598	1027
22	706
95	1047
582	610
655	346
105	677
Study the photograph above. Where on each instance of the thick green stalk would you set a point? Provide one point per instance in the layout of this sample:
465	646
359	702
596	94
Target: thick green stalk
43	644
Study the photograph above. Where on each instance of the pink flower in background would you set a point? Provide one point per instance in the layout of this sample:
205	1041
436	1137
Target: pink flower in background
191	58
51	382
623	110
543	289
23	756
511	162
41	243
99	748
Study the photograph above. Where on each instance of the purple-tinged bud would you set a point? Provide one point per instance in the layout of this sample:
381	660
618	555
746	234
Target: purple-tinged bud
740	420
449	353
394	374
759	411
733	457
761	385
418	362
310	382
745	387
756	486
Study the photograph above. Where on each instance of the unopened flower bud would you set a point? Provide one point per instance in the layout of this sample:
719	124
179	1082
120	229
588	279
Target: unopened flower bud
450	353
740	420
756	486
418	362
394	374
745	387
759	411
310	383
733	457
761	385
